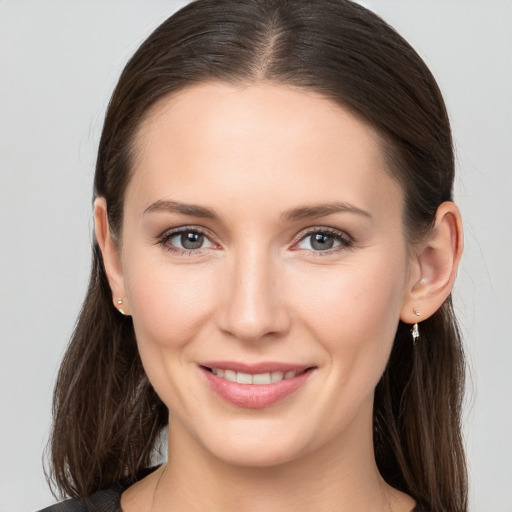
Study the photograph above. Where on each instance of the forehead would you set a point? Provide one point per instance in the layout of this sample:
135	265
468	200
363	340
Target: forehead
214	141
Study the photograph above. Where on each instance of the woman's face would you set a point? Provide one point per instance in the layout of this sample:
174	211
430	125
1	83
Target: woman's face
263	242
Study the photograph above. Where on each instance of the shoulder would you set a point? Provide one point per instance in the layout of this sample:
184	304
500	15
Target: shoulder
107	500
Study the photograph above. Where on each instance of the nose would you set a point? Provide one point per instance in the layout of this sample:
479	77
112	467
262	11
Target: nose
253	307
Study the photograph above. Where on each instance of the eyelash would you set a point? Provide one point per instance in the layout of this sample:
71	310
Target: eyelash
345	242
165	239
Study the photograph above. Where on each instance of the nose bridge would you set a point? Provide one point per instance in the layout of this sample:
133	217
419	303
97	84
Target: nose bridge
252	306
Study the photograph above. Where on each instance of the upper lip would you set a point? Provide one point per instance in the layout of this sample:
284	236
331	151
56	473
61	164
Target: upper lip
254	368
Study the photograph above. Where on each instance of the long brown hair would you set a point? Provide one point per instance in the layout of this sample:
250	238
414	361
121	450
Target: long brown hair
107	416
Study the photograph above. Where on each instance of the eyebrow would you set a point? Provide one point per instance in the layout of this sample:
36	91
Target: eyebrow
301	212
321	210
184	208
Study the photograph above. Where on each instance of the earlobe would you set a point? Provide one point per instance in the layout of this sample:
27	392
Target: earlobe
436	261
111	255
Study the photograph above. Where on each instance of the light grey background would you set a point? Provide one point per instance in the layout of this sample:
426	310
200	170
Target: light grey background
59	61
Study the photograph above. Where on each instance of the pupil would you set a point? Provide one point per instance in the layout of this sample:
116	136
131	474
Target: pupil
191	240
322	242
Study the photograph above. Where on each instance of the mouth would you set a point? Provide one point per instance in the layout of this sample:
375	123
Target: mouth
255	386
255	378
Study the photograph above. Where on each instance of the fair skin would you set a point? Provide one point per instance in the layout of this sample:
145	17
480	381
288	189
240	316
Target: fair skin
257	276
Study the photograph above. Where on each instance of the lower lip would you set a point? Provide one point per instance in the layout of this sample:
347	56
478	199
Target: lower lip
255	396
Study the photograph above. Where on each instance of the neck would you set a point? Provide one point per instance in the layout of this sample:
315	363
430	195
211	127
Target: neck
340	476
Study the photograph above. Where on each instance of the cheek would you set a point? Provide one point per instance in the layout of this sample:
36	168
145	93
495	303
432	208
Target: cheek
169	306
354	310
353	314
169	303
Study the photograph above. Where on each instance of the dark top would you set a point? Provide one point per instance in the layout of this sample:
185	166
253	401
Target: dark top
109	500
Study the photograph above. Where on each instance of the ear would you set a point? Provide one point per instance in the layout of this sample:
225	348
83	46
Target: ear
434	266
111	256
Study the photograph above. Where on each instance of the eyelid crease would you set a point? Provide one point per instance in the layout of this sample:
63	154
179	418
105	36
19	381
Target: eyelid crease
323	229
169	233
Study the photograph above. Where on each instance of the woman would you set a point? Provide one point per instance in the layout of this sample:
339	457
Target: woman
275	250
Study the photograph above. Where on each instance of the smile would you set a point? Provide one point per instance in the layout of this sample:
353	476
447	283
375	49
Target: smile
255	386
257	378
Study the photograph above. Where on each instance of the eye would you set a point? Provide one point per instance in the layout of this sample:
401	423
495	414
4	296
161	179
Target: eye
186	240
323	240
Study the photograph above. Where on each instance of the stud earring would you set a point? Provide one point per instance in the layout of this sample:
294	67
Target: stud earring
415	333
119	302
416	311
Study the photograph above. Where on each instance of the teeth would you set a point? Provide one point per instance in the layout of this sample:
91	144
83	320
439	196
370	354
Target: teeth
243	378
230	375
256	378
261	378
277	376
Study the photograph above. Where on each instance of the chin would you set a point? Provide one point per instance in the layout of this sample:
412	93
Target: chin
258	455
259	444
